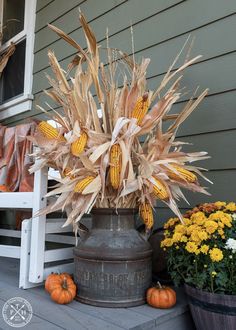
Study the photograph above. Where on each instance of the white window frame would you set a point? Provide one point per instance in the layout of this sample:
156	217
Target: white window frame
23	102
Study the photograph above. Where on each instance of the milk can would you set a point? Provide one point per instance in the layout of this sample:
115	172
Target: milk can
113	263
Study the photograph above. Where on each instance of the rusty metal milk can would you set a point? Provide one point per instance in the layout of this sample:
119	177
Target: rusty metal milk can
113	263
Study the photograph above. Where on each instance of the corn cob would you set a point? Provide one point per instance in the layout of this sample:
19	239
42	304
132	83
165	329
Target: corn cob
147	215
141	108
182	174
82	184
115	165
49	131
78	146
159	190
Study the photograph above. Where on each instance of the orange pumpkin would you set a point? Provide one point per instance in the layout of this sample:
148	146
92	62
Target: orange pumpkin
161	296
51	278
63	289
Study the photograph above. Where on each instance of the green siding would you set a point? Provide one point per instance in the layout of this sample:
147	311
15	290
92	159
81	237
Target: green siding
160	29
41	4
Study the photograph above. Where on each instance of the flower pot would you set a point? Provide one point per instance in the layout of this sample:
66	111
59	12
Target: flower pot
212	311
113	263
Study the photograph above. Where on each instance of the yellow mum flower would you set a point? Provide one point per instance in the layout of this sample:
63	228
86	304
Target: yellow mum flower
194	236
221	217
216	216
197	252
171	222
176	237
226	219
191	247
199	218
191	228
216	254
221	232
204	248
167	242
180	229
187	221
220	204
203	235
231	207
211	226
184	239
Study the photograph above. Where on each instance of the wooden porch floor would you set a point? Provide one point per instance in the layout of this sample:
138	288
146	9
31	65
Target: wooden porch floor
48	315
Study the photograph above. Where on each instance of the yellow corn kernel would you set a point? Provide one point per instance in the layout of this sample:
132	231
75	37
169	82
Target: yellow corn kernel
82	184
115	165
49	131
182	174
147	215
159	190
141	108
67	172
78	146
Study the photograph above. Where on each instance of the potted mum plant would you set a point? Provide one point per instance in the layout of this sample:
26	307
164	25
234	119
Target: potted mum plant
201	253
115	160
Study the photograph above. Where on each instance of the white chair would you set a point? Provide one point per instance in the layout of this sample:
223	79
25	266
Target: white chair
34	233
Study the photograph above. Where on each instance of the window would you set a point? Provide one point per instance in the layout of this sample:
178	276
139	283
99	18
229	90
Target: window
18	20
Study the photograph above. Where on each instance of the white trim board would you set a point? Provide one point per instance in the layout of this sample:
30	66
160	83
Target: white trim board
23	102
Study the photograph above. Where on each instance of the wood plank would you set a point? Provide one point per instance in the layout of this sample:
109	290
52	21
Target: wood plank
61	268
10	251
36	323
215	113
25	255
44	308
181	19
123	317
219	146
38	227
16	200
93	10
181	322
9	271
148	32
53	10
10	233
42	3
161	315
204	44
60	239
58	254
208	74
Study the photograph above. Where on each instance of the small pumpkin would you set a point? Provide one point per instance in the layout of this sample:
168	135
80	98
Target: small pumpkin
161	296
63	289
51	278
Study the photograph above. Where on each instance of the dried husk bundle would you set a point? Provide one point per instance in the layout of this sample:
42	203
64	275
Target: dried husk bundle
97	144
5	57
8	52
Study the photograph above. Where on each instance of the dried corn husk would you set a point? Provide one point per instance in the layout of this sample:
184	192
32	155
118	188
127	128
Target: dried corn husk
110	167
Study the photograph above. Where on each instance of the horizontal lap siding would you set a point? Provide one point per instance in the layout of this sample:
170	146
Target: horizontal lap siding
160	30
